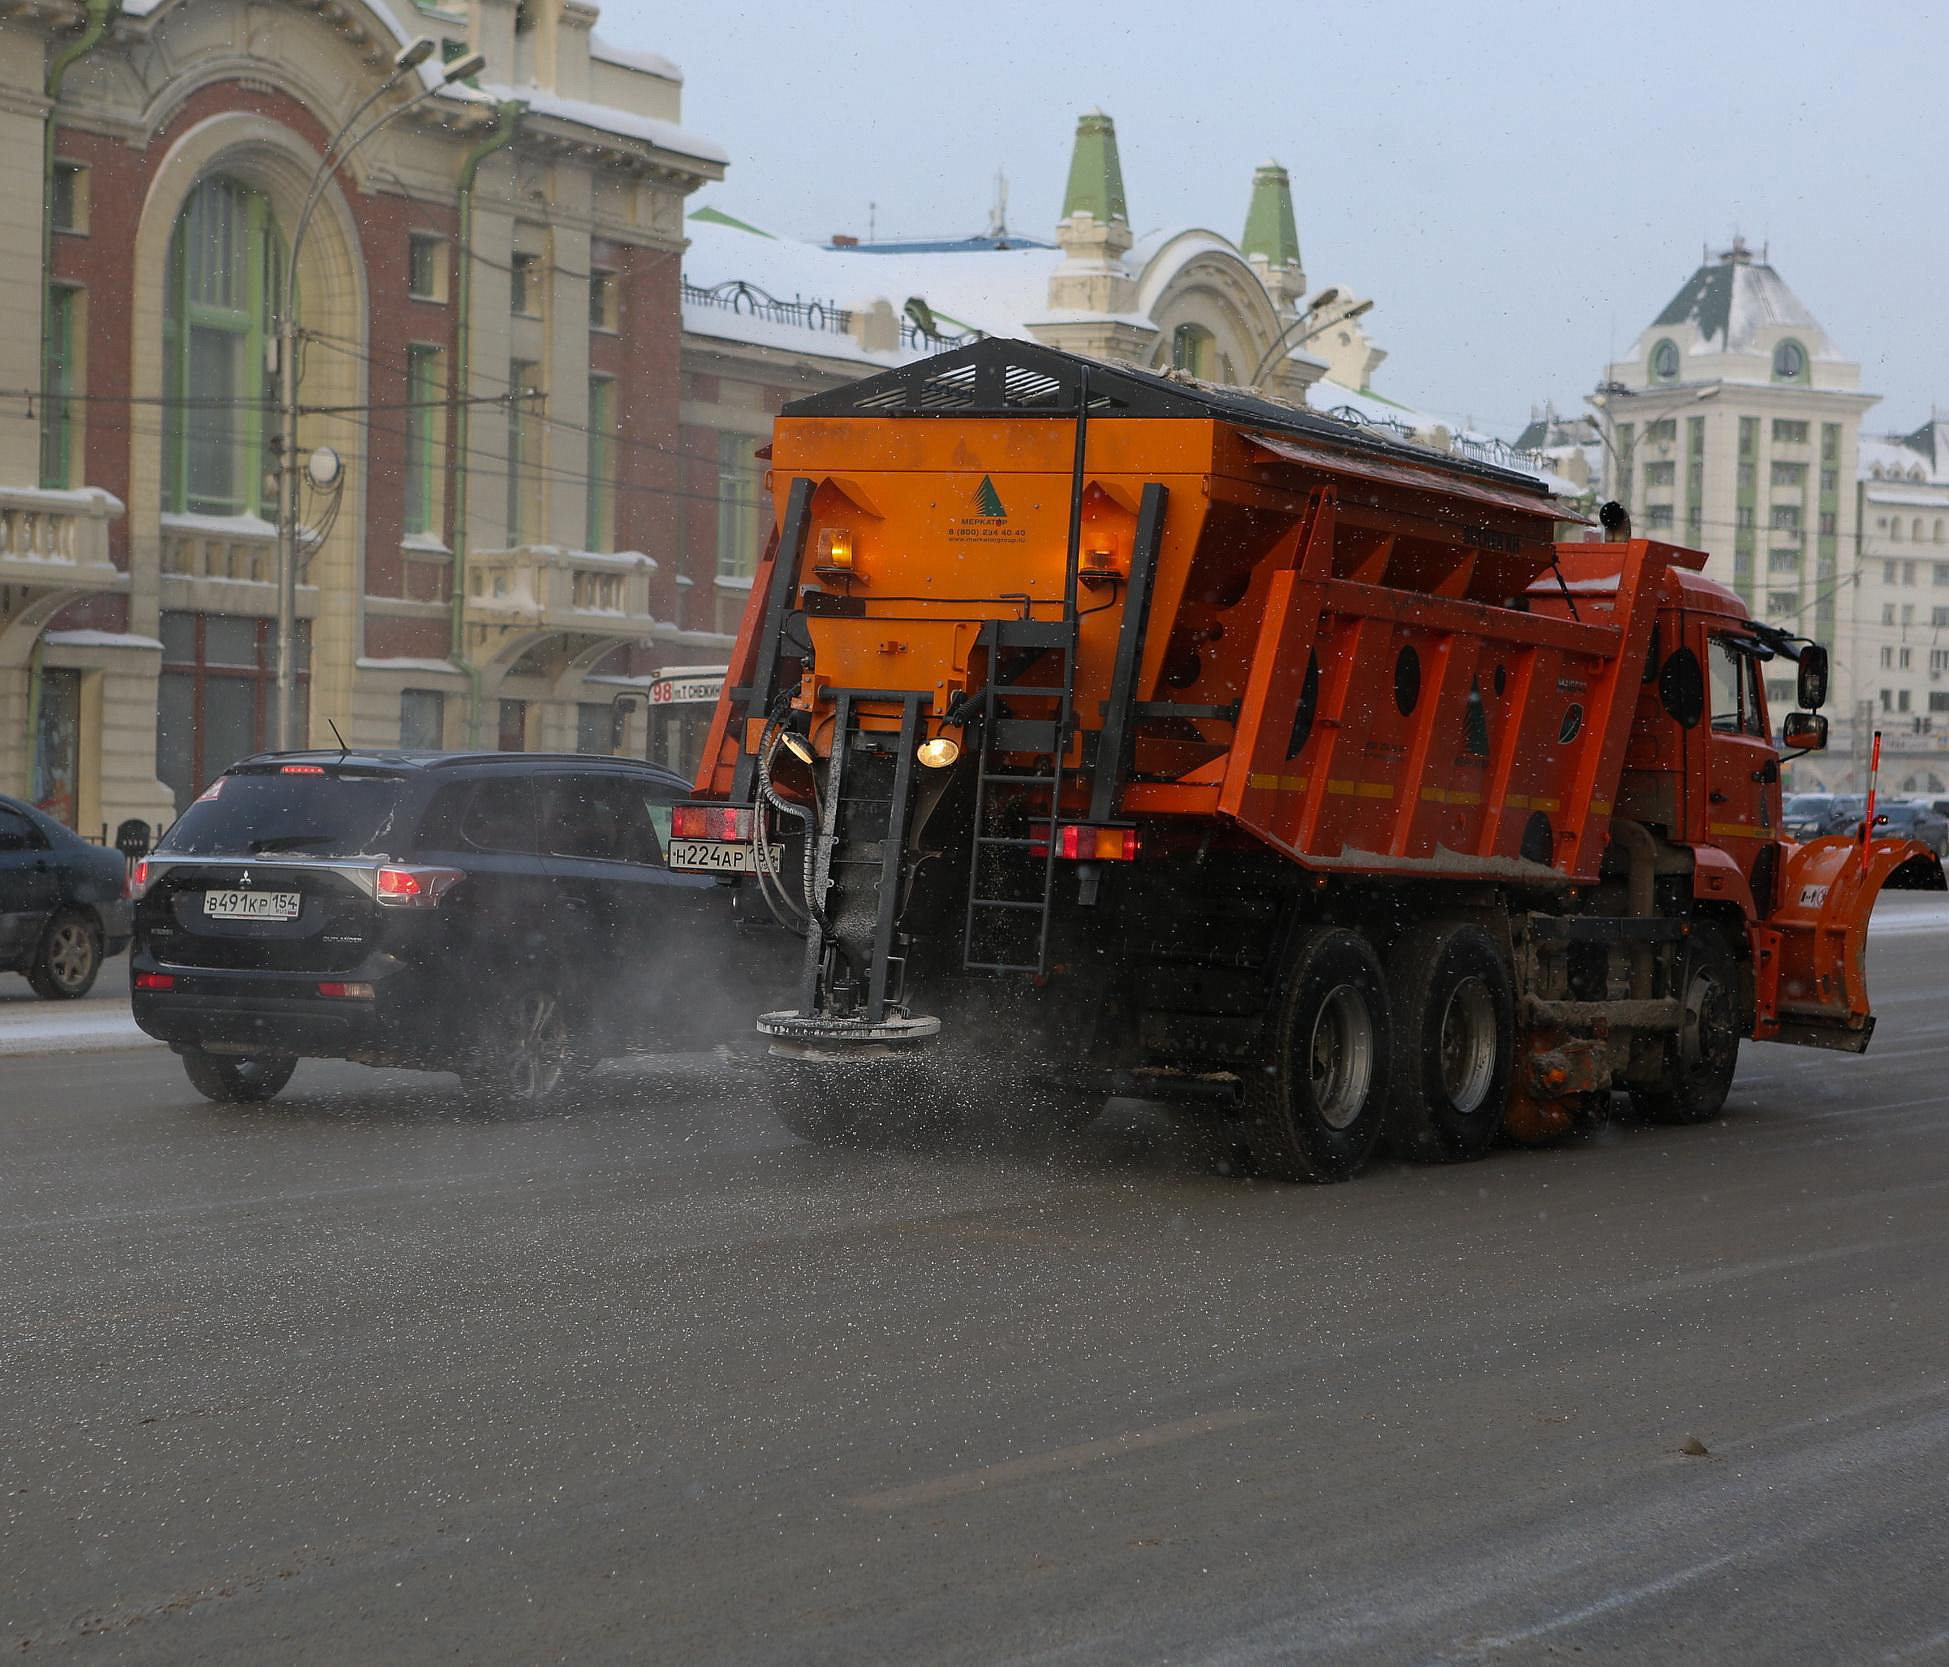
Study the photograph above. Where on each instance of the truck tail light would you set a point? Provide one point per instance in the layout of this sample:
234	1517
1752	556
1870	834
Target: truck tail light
155	981
735	823
413	888
1084	842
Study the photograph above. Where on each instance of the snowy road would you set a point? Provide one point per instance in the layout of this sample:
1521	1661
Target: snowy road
366	1376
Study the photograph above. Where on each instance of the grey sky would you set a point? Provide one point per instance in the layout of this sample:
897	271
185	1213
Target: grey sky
1518	187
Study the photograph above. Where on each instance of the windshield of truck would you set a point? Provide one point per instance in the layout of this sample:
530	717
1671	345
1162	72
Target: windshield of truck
256	813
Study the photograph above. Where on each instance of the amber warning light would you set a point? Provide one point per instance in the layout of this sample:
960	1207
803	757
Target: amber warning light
1081	842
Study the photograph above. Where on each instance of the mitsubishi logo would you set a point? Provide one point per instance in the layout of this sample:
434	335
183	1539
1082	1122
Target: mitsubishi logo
244	879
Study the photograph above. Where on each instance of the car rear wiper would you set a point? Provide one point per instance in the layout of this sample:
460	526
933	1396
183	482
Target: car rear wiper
288	842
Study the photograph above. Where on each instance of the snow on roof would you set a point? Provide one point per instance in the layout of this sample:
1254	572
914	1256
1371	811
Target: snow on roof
1897	457
604	118
996	291
1336	399
1732	299
629	57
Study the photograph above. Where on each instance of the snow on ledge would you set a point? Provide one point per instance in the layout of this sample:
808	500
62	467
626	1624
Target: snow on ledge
441	668
99	639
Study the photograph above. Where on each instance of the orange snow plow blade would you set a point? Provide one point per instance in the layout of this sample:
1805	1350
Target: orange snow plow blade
1826	898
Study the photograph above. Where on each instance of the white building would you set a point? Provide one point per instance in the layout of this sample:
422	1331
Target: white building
1901	637
1732	427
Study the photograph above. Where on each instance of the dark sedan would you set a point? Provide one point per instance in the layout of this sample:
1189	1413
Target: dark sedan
64	904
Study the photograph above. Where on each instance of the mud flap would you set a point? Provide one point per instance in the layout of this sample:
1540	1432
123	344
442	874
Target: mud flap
1820	996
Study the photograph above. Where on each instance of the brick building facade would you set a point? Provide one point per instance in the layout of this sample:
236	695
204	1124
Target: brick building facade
503	539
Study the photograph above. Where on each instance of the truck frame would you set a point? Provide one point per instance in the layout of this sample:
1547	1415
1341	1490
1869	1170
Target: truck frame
1107	730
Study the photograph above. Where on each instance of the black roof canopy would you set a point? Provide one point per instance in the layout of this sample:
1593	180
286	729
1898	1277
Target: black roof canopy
1000	377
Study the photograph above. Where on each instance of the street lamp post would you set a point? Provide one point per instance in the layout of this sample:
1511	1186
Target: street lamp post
408	59
1286	341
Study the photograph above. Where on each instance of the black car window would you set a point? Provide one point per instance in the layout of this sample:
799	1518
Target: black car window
581	818
600	818
646	821
17	833
319	811
501	816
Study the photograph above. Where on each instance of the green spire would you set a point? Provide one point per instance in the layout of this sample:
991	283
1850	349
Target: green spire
1269	226
1095	174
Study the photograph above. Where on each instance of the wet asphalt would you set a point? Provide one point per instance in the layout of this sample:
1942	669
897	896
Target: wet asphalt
368	1375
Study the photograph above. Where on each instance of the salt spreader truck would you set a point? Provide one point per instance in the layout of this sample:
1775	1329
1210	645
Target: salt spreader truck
1089	721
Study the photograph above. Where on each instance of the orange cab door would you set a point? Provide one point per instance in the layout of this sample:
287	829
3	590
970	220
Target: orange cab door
1742	770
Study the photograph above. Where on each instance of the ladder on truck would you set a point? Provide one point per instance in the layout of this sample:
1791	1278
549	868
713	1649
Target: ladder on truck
1018	867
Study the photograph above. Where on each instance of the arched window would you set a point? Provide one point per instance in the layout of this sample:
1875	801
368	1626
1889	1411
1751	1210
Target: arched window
1789	362
1938	529
1664	361
225	262
1894	529
1915	530
1193	349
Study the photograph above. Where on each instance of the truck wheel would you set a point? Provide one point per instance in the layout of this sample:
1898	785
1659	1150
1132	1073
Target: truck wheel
1454	1031
230	1080
1706	1053
1318	1105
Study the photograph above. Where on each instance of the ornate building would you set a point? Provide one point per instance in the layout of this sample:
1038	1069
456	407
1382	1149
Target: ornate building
487	290
1733	427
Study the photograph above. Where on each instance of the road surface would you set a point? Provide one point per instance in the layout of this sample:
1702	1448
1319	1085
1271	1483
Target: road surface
368	1376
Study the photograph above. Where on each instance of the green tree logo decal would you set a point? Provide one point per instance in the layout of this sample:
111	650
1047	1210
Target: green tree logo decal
988	501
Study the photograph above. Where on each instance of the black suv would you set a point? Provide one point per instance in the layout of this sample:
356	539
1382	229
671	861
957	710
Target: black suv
504	915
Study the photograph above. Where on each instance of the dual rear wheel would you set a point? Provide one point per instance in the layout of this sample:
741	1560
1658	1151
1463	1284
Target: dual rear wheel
1417	1050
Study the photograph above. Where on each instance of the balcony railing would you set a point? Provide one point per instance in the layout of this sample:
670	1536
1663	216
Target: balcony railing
57	539
737	296
240	547
545	588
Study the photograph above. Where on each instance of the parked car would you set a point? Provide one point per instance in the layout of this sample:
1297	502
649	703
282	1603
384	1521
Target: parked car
1810	815
504	915
64	905
1912	819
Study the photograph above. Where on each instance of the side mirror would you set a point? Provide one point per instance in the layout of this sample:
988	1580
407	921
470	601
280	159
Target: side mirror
1804	731
1813	680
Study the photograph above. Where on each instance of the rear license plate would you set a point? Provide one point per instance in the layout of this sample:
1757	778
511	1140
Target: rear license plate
251	905
717	856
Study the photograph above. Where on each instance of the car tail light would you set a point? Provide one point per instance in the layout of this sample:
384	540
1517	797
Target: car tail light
301	769
155	981
1082	842
346	992
722	822
413	888
138	880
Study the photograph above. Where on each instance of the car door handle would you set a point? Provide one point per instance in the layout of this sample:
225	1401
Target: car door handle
1718	798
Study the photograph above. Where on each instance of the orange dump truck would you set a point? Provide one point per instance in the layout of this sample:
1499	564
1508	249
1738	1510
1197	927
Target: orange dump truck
1101	729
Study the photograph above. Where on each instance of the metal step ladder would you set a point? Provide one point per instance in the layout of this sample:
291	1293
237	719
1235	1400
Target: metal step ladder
1020	884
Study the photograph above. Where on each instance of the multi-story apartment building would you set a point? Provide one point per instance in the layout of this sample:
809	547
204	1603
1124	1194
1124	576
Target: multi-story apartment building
488	295
1901	631
1733	427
